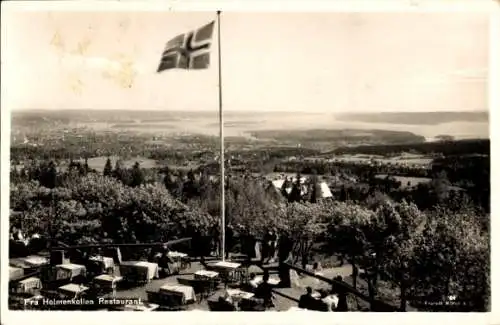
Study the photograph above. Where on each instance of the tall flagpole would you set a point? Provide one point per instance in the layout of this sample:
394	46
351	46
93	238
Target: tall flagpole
221	131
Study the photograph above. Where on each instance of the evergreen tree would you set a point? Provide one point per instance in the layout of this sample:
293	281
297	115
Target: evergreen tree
86	165
169	180
296	193
48	175
343	194
108	169
118	172
315	191
190	189
137	175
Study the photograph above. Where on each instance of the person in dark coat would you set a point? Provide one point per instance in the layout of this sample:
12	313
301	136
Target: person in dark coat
215	233
229	240
265	291
307	301
341	293
266	247
273	237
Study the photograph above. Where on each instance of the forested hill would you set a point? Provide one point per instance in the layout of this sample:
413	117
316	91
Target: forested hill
457	147
416	118
372	136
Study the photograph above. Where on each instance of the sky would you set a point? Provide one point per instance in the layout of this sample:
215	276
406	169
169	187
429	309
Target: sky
321	62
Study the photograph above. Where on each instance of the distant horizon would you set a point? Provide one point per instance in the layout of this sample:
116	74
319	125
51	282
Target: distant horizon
253	111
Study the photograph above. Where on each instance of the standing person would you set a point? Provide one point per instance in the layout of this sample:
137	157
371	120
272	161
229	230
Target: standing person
247	244
229	239
196	243
341	293
284	256
215	239
265	248
273	237
268	242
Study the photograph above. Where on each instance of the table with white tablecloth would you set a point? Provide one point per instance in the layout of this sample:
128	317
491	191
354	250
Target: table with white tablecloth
29	285
72	290
69	271
230	271
107	262
36	261
139	271
205	275
179	260
237	294
186	292
176	255
107	281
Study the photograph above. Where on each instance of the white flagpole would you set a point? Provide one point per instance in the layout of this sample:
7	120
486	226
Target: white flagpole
221	131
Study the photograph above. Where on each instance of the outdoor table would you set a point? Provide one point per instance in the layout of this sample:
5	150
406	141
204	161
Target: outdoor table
36	261
72	290
178	258
69	271
29	285
205	275
139	271
106	262
230	271
107	281
186	293
176	255
238	295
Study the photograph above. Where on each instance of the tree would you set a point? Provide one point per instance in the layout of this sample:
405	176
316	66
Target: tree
119	172
14	175
296	193
314	189
190	188
440	187
48	175
86	166
137	175
108	169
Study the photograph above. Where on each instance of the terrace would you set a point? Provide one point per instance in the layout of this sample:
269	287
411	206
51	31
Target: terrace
285	298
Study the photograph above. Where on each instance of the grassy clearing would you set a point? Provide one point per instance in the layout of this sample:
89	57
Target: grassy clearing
98	163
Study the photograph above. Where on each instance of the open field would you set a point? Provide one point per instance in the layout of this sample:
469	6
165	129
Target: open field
407	181
400	159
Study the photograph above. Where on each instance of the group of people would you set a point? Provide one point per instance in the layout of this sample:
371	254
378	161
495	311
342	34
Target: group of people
261	300
268	247
323	300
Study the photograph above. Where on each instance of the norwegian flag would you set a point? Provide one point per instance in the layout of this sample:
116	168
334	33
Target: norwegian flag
188	51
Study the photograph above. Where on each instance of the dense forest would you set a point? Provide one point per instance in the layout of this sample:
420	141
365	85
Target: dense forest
412	231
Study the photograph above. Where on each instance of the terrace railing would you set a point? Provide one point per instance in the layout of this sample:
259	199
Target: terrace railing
375	304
